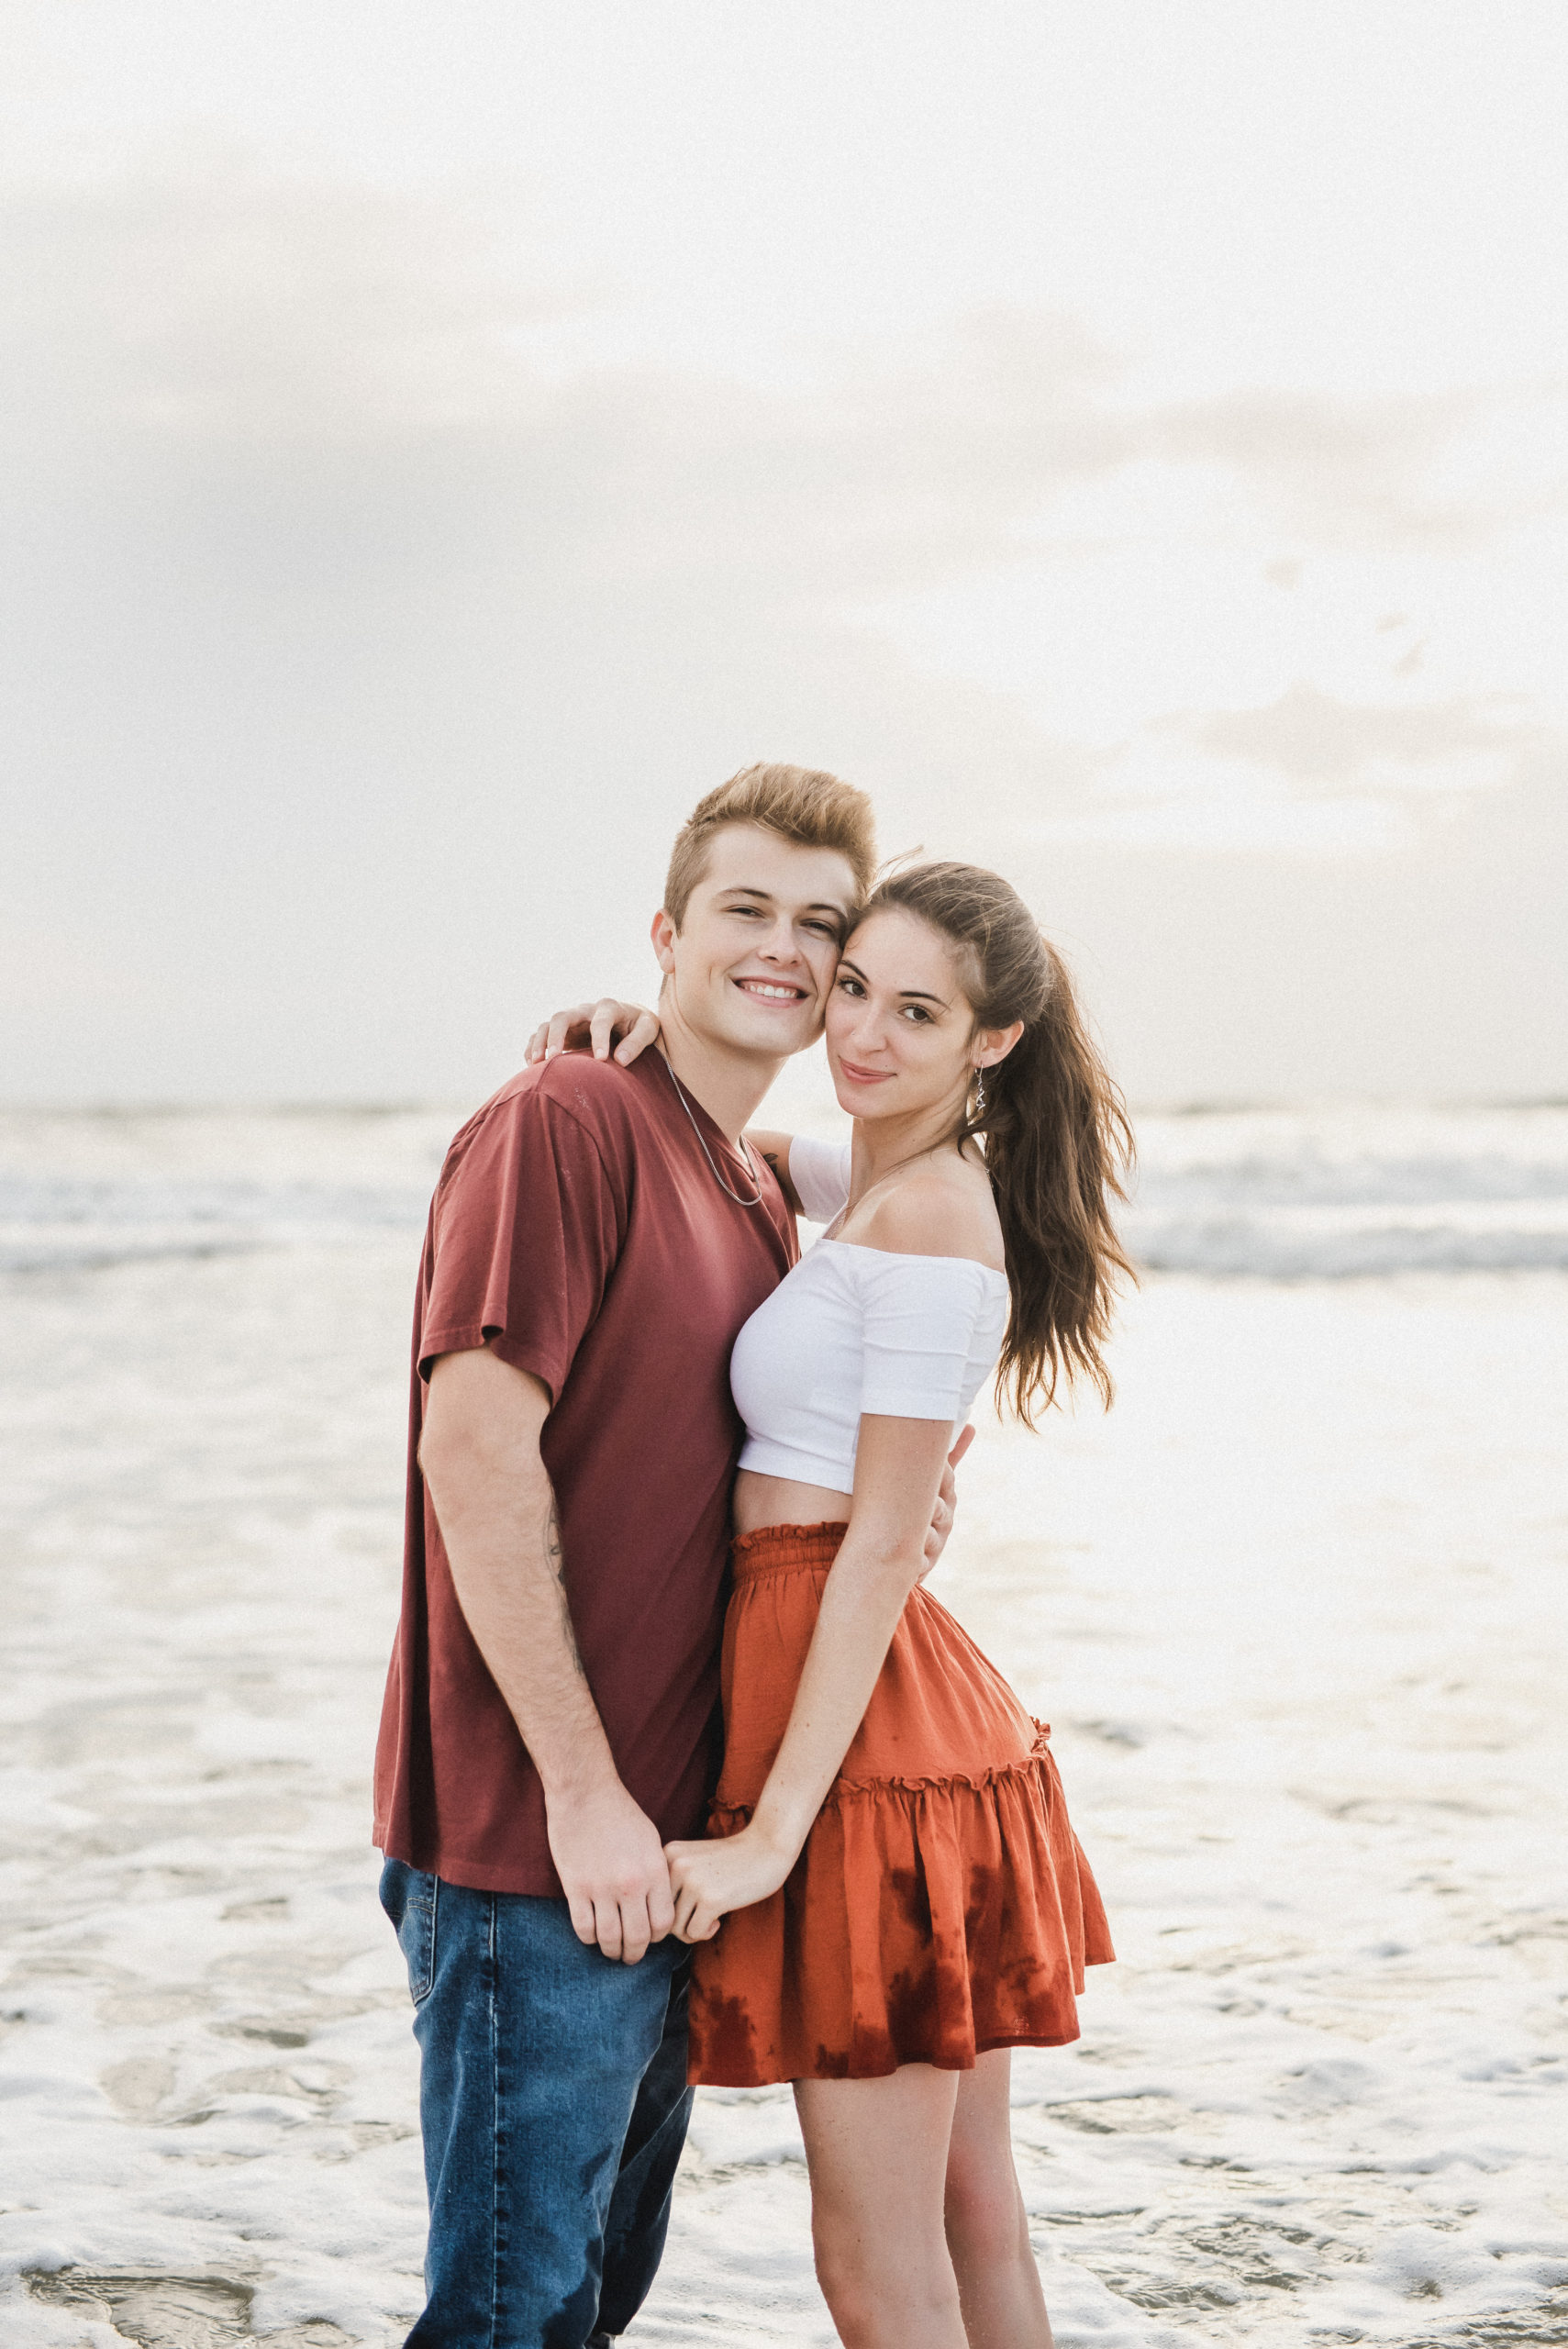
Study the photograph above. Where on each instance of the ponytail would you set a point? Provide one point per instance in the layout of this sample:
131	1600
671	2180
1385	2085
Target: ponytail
1054	1130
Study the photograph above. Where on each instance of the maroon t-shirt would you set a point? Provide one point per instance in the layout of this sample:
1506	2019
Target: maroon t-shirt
578	1227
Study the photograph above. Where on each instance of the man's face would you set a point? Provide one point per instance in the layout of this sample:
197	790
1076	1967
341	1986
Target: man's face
753	963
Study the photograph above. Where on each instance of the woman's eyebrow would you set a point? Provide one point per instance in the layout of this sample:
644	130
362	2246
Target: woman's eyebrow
908	994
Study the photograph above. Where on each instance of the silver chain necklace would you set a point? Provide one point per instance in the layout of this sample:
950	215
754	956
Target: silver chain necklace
708	1154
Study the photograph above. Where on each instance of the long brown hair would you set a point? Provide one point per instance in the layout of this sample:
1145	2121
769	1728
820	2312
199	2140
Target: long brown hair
1056	1135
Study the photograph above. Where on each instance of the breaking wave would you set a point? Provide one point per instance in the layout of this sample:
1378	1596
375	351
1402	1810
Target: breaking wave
1333	1193
1344	1193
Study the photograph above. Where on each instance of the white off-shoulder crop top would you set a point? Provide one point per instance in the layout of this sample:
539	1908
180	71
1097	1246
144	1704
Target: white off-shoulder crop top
853	1329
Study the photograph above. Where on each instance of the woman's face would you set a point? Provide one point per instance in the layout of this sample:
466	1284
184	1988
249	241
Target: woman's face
901	1035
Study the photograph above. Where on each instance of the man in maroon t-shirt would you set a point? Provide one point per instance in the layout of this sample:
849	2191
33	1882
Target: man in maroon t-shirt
597	1237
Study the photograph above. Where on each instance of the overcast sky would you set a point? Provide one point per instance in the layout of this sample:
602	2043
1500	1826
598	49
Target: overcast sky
439	442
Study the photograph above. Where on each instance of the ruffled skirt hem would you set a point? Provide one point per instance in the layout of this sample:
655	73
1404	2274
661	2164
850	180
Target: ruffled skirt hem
926	1921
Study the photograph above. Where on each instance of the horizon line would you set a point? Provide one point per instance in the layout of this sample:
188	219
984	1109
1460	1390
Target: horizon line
340	1105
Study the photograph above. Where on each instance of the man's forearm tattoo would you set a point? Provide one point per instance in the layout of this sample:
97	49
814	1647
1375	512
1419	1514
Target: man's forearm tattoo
555	1557
781	1175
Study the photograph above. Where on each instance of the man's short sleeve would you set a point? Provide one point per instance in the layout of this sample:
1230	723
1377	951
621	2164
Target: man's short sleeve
527	1228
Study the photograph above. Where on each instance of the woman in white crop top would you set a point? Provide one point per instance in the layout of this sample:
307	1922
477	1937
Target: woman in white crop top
890	1895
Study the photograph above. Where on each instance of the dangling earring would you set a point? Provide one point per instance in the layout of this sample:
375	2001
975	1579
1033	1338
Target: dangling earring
980	1093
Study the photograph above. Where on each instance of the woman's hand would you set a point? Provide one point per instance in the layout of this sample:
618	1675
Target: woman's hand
597	1025
721	1872
946	1509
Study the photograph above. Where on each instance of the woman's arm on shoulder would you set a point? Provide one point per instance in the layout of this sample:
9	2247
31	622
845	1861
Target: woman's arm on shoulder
820	1174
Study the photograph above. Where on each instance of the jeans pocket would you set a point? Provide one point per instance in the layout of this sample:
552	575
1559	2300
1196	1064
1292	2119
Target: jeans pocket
408	1896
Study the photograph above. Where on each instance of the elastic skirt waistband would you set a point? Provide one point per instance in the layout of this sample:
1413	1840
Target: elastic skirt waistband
782	1549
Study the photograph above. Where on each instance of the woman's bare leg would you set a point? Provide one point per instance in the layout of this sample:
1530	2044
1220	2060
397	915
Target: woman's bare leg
987	2230
877	2151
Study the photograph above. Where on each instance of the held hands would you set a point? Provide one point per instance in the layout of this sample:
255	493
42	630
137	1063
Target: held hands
722	1873
612	1870
597	1025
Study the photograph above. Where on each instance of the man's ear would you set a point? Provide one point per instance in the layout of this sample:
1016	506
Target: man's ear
665	934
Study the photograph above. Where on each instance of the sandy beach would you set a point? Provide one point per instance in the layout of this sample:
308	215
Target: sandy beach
1294	1610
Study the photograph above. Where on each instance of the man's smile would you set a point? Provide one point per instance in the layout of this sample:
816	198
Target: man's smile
772	990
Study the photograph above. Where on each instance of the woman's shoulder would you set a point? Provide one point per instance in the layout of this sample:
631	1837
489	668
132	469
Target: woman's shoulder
929	1213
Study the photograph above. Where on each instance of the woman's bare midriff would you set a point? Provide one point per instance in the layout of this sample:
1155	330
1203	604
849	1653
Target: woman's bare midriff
779	1500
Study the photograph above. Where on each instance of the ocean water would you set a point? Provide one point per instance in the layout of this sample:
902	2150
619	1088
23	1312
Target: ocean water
1294	1609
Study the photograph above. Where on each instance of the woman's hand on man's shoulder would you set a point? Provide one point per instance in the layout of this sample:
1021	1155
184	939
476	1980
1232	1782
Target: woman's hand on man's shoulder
595	1027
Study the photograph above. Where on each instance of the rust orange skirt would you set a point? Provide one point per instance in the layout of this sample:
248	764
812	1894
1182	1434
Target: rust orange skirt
941	1905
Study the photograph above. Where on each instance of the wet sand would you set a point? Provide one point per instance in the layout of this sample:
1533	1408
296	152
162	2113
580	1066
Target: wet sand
1295	1611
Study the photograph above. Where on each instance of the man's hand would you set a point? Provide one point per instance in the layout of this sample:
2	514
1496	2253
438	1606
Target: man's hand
480	1452
597	1025
946	1509
613	1871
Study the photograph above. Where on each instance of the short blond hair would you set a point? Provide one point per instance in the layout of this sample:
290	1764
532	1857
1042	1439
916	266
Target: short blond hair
804	805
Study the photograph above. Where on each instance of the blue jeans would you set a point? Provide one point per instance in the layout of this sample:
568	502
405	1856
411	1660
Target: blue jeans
553	2105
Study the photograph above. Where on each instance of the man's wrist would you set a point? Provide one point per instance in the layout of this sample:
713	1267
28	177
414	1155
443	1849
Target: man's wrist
579	1779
